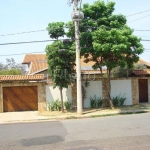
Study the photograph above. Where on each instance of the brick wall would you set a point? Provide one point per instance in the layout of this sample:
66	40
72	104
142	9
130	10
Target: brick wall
135	91
74	95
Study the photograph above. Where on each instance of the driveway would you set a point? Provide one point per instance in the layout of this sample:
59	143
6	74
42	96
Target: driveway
20	116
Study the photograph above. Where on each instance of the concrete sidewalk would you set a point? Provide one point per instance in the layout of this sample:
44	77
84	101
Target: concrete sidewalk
25	116
33	116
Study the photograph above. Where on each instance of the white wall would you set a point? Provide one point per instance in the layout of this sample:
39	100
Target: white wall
122	87
53	94
95	88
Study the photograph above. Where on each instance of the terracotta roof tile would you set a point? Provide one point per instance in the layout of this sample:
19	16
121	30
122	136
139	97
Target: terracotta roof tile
37	62
145	72
36	77
92	71
141	61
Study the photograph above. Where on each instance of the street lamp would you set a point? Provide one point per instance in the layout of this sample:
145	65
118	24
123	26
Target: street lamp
77	15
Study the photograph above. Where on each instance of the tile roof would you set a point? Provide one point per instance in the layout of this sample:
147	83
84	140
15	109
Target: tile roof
92	71
37	62
36	77
141	61
145	72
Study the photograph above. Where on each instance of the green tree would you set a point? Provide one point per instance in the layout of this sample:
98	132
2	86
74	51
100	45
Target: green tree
56	30
12	68
61	61
106	40
12	71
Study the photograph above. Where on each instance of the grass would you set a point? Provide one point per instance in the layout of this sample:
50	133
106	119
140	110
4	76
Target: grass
99	112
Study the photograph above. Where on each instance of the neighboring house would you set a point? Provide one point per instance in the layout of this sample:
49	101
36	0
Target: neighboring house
145	72
37	64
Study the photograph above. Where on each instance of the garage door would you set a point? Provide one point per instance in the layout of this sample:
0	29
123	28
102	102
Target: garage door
20	98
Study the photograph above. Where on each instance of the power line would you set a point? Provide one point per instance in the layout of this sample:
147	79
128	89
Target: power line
44	41
139	19
145	40
23	53
145	50
28	32
32	42
22	32
138	13
143	36
141	30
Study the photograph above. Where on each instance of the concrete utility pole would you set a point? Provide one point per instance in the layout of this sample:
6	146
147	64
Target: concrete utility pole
78	63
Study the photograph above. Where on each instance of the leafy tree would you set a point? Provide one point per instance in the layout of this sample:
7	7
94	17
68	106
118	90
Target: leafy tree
12	68
126	71
12	71
61	61
106	40
56	30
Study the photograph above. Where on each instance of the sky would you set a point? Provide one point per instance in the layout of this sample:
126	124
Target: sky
17	16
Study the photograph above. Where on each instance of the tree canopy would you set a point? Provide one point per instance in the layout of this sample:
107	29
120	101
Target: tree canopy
60	59
105	38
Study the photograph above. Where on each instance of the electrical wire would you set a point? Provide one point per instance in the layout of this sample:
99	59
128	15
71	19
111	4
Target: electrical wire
138	13
23	53
141	30
23	32
139	19
145	50
45	41
32	42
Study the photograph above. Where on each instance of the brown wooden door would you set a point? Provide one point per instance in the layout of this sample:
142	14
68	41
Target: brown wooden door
143	90
20	98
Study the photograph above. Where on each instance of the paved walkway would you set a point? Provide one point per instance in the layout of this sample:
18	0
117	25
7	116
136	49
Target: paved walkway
9	117
27	116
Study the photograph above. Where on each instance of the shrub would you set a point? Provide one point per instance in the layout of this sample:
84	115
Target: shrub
118	101
93	102
55	105
96	102
51	106
67	105
99	102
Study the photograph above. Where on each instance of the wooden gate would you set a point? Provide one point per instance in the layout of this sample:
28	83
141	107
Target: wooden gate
143	90
20	98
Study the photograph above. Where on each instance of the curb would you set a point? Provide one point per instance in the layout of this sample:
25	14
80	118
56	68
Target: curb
127	112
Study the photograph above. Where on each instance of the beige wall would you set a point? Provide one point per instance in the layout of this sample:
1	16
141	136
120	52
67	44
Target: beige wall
135	89
41	93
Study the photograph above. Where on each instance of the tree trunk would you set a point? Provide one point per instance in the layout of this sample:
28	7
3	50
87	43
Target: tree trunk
107	89
61	96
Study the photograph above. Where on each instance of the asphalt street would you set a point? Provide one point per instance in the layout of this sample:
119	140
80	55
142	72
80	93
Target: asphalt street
123	132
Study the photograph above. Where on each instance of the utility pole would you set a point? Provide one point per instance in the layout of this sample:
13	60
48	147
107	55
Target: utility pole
78	63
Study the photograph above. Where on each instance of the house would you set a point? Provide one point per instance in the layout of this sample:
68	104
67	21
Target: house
132	87
31	92
37	64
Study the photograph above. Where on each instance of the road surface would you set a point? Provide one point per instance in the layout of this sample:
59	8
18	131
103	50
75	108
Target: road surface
124	132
